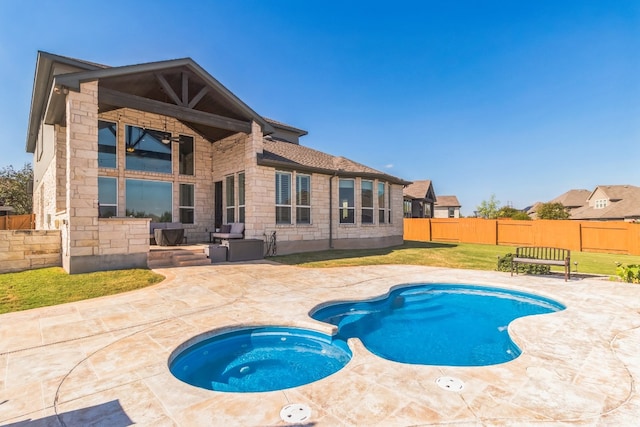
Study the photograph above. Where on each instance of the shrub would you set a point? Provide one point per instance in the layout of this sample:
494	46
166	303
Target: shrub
504	264
629	273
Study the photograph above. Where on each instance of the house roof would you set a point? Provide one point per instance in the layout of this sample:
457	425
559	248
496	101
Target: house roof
283	154
624	203
447	201
421	189
572	198
178	88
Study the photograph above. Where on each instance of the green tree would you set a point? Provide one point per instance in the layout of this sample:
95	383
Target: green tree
488	209
552	211
16	188
513	213
522	216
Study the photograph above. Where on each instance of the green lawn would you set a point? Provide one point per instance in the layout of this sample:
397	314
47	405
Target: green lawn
51	286
453	255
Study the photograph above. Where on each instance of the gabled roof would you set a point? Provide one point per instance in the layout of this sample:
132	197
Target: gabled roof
615	192
573	198
282	154
624	203
422	189
447	201
178	88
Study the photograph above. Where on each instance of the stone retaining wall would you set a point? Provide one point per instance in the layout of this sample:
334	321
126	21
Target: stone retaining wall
27	249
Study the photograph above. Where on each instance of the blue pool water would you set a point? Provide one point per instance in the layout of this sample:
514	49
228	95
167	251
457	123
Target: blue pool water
260	359
435	324
438	324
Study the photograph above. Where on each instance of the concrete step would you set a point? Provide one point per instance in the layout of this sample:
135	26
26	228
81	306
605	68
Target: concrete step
177	258
190	258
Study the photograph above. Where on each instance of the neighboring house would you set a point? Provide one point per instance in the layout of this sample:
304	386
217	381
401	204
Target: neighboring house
419	199
605	203
117	147
572	200
446	207
610	203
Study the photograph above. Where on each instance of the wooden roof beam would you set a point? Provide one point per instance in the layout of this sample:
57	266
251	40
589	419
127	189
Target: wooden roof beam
125	100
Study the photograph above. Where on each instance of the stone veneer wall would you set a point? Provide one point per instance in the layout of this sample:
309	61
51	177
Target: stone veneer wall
71	204
27	249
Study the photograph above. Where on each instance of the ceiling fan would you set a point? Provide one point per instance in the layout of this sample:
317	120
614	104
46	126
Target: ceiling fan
168	139
166	136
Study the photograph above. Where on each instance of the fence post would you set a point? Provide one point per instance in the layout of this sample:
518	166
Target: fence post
580	236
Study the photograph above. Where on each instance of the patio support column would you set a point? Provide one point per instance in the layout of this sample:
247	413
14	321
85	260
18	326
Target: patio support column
258	186
80	235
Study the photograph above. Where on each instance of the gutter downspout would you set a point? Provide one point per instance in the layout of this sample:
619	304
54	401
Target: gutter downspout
331	210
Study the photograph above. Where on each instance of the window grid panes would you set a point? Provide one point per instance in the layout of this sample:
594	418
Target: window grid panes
241	196
145	150
283	198
303	199
187	204
107	143
107	197
231	198
149	199
381	203
346	201
366	194
601	203
186	155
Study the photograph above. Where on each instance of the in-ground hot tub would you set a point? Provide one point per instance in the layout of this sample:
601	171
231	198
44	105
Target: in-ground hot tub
259	359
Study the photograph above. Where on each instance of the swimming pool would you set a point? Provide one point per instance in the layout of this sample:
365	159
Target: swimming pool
437	324
428	324
259	359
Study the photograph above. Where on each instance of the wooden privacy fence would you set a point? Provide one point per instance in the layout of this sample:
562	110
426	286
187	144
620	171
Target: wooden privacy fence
615	237
18	222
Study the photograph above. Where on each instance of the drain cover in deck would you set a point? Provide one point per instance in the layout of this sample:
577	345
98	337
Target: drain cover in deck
295	413
450	383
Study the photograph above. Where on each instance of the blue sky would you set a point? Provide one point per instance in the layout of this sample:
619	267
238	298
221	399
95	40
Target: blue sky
522	99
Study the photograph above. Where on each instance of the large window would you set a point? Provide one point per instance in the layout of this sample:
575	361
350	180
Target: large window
406	204
303	199
346	198
107	142
241	202
149	199
145	150
283	198
107	197
231	199
381	203
187	203
186	155
367	202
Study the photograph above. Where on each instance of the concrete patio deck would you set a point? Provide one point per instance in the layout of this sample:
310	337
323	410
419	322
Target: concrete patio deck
103	362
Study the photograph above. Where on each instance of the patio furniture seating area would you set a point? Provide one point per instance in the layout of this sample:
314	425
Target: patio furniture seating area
166	233
235	230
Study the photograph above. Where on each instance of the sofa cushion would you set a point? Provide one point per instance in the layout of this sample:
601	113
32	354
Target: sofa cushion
225	228
237	228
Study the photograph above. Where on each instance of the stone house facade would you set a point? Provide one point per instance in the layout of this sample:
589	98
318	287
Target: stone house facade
118	147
